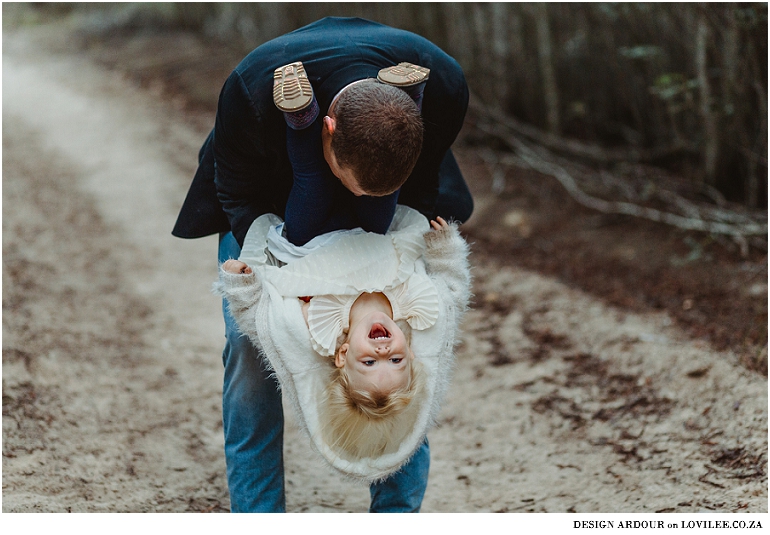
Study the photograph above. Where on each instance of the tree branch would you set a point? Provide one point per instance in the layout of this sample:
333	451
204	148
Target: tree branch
590	152
738	227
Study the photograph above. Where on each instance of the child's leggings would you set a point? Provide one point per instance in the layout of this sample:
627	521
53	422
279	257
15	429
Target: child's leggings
318	202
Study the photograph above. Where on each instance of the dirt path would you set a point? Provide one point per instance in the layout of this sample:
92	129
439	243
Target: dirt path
112	375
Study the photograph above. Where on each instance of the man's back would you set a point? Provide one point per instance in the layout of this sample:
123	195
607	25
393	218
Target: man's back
249	142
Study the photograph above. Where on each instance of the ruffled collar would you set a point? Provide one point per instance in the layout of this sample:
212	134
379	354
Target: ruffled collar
352	264
415	301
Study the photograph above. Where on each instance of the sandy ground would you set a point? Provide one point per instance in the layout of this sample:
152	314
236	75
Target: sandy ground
111	344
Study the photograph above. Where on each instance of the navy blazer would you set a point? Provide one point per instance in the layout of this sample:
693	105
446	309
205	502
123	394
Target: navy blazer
244	170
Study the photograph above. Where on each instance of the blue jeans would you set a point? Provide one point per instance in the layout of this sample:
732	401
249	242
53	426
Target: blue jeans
252	415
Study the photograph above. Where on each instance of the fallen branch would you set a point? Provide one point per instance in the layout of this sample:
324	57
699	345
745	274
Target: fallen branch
575	148
545	164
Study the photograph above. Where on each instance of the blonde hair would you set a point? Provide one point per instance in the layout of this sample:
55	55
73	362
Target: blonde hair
361	424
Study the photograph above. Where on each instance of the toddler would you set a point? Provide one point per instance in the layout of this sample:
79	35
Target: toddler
359	329
372	350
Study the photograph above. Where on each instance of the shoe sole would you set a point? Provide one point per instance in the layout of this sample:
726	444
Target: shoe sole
291	88
403	75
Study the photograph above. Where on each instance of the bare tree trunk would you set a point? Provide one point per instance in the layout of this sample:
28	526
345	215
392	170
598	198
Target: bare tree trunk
499	37
482	50
730	55
460	36
752	180
545	55
519	60
710	132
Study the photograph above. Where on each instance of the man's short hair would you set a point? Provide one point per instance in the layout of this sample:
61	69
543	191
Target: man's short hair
378	135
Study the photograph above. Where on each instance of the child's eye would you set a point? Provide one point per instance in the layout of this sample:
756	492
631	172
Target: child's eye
396	360
368	362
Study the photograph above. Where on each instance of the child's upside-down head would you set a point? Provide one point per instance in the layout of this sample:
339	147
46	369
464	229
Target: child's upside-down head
375	383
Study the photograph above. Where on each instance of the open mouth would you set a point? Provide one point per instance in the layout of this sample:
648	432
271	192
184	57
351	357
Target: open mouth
378	332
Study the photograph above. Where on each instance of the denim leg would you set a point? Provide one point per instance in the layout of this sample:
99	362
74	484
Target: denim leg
252	416
403	491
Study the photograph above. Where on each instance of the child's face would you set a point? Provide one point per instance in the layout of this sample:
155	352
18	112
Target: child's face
376	355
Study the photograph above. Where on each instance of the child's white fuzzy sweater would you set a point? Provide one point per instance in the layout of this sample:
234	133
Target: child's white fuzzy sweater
276	326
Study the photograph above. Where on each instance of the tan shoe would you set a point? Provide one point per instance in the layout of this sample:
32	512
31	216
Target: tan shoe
403	75
291	88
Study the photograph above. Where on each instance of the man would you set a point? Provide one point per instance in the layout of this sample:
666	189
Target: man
244	171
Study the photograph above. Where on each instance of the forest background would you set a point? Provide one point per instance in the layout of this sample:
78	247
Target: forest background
632	112
615	353
679	85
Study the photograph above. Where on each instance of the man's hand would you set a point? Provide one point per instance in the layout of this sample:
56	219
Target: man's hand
236	266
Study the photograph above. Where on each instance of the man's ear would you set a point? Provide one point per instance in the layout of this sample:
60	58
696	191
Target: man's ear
342	353
329	125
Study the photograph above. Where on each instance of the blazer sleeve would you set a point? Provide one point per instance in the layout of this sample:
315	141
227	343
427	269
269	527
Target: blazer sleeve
444	107
243	293
446	261
240	157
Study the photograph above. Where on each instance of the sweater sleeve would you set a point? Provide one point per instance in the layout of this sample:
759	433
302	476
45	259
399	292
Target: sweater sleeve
243	293
446	260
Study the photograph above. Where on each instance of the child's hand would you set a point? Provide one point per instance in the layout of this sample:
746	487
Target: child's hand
440	225
236	266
